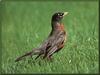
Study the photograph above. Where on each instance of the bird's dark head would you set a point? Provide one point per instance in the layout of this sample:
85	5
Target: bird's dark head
59	16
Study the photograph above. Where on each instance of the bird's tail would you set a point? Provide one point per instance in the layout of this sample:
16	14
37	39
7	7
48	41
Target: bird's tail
35	51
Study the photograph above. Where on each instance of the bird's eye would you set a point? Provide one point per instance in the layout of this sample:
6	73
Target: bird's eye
58	14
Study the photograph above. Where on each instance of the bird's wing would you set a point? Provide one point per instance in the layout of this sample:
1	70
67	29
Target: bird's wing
53	50
51	44
57	42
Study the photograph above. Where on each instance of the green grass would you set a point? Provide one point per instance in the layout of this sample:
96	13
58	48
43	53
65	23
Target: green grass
26	24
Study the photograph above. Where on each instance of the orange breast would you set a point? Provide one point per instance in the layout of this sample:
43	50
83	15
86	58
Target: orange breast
61	27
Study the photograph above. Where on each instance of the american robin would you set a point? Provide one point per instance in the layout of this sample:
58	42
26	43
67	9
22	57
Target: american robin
54	42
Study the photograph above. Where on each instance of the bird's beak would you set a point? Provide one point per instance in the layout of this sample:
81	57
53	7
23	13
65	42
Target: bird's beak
65	13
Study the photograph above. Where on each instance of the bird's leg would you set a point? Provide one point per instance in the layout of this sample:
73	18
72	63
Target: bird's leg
49	58
45	54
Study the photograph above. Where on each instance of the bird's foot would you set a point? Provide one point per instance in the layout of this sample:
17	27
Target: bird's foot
50	58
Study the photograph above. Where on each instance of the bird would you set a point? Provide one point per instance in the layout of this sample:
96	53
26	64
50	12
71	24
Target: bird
54	42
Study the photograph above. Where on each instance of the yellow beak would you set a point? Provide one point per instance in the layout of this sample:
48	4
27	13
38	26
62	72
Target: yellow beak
65	13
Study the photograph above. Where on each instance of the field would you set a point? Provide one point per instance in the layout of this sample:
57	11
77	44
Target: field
25	24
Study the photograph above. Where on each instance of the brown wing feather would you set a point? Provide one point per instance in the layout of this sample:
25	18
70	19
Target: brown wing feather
52	44
57	44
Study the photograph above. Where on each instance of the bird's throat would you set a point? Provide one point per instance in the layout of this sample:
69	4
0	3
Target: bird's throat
57	26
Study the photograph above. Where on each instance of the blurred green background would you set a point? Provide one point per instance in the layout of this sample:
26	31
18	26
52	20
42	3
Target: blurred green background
25	24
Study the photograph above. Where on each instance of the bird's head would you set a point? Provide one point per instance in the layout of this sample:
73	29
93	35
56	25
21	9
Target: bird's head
59	16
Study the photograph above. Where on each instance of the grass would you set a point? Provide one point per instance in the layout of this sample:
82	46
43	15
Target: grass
26	24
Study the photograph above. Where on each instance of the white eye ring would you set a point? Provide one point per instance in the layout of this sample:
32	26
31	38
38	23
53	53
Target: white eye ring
58	14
